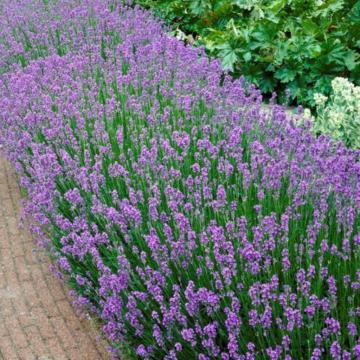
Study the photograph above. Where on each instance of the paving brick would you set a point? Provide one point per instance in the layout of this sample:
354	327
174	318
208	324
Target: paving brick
63	332
27	354
26	319
17	248
20	305
5	304
4	190
13	227
37	344
9	267
36	274
30	294
68	312
49	307
3	329
57	350
79	354
45	327
7	348
3	233
22	269
32	258
57	292
16	332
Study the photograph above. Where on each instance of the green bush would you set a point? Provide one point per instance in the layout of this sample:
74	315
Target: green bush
293	47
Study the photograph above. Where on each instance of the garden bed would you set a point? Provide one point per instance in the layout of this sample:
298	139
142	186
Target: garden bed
195	224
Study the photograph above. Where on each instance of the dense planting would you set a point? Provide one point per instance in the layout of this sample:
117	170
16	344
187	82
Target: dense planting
293	47
194	224
35	29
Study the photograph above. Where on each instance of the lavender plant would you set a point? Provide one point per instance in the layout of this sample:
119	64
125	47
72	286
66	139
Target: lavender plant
31	30
194	224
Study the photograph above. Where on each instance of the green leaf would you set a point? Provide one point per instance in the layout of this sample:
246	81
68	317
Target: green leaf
285	74
228	56
277	5
231	27
351	60
266	84
198	7
294	89
247	56
354	14
281	52
329	7
310	27
337	52
314	50
266	32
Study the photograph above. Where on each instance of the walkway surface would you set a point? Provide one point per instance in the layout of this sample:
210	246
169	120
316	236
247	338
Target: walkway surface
37	320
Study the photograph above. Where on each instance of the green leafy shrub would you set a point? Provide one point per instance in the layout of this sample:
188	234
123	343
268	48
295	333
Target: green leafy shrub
295	47
339	114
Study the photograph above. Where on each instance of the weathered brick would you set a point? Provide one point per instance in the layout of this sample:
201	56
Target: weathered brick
45	327
57	351
27	354
7	348
22	269
63	332
37	344
16	332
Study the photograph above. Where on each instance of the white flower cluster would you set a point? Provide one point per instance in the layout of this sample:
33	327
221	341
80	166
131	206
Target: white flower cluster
339	114
320	99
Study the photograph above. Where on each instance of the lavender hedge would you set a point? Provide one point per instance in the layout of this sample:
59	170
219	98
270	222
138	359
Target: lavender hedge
194	224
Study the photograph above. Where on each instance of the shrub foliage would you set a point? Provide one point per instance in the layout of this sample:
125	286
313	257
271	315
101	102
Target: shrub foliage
294	47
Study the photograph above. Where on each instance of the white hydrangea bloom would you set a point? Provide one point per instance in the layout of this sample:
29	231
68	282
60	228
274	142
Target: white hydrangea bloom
339	115
320	99
340	84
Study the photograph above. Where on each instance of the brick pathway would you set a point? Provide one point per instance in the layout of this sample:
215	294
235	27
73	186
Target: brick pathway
37	320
